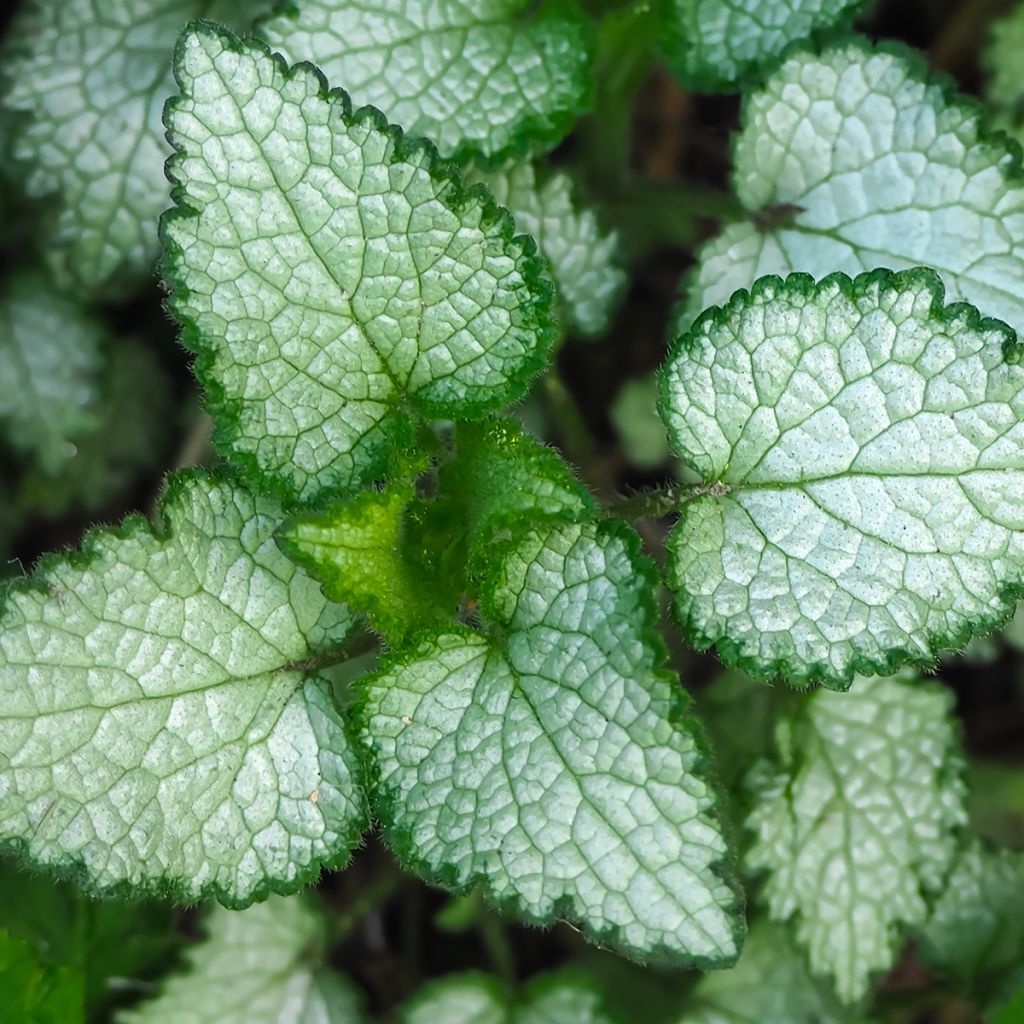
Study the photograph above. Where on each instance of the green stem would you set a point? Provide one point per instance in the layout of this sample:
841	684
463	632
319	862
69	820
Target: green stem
499	949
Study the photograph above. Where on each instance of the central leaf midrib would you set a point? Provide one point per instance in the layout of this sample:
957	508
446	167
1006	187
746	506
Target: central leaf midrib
363	330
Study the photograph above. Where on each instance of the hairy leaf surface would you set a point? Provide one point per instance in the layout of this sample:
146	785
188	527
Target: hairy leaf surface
713	44
855	158
264	965
162	724
855	821
582	256
333	279
550	758
862	457
485	78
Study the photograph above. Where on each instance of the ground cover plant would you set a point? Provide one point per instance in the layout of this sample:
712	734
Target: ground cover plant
512	512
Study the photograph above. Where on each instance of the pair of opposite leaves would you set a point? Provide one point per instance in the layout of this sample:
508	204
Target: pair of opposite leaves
428	261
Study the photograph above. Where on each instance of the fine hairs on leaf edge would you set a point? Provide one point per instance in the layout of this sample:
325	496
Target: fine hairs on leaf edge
678	50
534	135
1007	150
820	673
681	716
539	314
72	869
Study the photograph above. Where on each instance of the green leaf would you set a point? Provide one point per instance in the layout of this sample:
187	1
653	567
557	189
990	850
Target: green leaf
334	279
567	996
634	414
90	79
856	820
477	79
862	459
33	993
1012	1012
712	44
769	985
360	551
551	759
855	158
503	478
264	965
976	930
50	365
162	721
133	410
69	929
410	563
582	257
1004	89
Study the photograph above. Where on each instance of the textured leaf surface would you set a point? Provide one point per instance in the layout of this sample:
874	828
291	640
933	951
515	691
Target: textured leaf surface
107	942
855	159
331	277
554	764
561	997
582	257
50	365
862	457
502	479
769	985
855	821
32	992
360	551
160	725
91	76
263	965
976	930
483	78
712	44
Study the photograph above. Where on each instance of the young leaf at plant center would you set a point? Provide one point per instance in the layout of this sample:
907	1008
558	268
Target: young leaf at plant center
100	940
162	722
478	79
51	361
369	553
264	965
855	158
582	257
32	992
566	996
333	278
770	985
976	930
503	478
549	757
856	820
410	562
862	457
90	79
712	44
